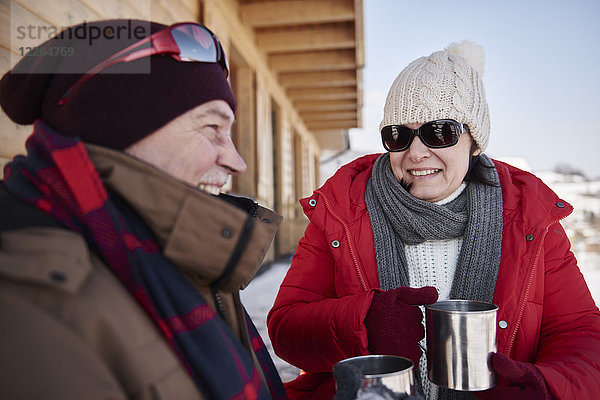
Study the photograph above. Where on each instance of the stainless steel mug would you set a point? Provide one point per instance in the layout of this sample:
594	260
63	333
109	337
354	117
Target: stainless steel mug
392	374
461	337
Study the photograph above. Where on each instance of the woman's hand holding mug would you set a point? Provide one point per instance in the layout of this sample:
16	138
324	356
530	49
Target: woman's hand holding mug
526	381
394	321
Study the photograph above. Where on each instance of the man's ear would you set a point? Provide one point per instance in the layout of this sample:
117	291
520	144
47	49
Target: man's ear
476	152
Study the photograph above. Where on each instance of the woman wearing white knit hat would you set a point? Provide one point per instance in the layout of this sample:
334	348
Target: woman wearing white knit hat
432	219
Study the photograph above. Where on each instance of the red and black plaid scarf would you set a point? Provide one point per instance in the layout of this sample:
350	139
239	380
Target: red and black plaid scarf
58	177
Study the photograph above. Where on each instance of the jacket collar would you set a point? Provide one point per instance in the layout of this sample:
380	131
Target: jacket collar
196	231
523	194
353	177
527	198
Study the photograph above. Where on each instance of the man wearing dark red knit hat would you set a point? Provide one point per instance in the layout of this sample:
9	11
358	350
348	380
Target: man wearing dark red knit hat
120	262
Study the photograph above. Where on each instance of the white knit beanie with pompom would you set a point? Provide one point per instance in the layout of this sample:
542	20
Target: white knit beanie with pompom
445	85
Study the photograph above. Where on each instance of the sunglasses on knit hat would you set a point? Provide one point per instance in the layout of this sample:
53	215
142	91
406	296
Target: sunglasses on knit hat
434	134
185	42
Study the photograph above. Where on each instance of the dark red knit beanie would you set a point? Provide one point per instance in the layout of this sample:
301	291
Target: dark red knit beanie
115	108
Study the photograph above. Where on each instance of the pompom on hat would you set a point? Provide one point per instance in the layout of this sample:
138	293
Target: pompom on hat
113	109
446	85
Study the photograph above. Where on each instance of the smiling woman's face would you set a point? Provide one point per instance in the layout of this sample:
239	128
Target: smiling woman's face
433	174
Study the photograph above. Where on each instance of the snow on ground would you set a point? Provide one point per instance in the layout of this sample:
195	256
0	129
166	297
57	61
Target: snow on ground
258	298
260	294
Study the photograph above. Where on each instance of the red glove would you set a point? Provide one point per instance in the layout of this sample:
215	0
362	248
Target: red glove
526	381
394	321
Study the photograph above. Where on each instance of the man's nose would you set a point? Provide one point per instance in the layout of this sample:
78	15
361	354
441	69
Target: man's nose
231	160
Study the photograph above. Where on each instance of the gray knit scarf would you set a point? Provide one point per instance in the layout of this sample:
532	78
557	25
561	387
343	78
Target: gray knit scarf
399	219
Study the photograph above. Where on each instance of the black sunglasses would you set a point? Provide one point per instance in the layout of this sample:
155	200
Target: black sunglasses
434	134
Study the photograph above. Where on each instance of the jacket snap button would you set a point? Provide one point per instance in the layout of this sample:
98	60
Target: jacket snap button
58	276
529	237
335	244
560	204
226	233
502	324
312	202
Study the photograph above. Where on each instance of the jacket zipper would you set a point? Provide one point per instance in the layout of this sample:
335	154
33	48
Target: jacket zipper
219	303
528	287
350	247
233	260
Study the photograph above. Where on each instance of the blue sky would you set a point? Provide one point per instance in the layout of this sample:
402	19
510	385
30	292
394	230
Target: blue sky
542	73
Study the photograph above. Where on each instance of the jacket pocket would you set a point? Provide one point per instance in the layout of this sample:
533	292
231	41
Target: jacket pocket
52	257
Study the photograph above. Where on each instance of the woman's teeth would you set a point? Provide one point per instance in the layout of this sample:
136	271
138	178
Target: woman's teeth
423	172
212	189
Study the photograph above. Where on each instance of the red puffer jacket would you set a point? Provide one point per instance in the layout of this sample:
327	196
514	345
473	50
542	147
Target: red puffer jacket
546	313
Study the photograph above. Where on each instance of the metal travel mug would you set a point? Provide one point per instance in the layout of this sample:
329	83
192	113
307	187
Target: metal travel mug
392	375
461	337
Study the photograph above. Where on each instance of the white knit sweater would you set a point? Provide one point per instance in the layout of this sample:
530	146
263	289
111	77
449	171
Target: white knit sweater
433	263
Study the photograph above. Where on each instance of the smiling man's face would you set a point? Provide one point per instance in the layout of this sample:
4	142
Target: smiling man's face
195	147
